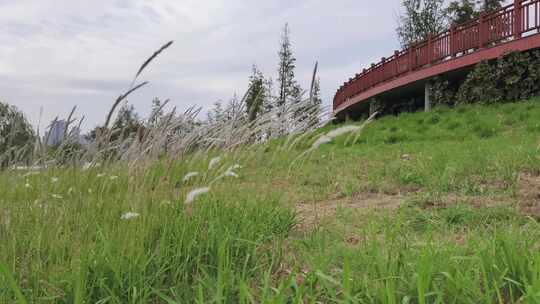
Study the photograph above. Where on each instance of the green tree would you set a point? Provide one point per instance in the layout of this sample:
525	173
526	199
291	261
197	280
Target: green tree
157	112
256	97
461	11
420	19
490	5
127	123
288	87
17	137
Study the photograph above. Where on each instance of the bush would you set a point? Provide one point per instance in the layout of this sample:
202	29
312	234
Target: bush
16	135
480	86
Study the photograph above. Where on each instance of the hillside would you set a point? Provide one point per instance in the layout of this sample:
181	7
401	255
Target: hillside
435	207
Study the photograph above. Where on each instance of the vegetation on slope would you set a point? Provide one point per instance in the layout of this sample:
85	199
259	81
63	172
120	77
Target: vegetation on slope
424	208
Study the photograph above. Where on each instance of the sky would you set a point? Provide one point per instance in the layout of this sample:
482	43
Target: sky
56	54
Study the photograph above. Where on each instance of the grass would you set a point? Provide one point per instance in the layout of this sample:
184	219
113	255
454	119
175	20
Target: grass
455	235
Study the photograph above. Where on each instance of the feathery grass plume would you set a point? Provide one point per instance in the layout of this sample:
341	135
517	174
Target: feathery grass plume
330	136
120	99
193	194
189	176
129	215
68	122
156	53
213	162
227	173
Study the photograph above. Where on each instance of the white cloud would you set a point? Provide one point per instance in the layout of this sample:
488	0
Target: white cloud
60	53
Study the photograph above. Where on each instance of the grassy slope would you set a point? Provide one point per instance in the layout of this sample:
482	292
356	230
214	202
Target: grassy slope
454	233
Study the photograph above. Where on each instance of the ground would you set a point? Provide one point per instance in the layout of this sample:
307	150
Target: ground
436	207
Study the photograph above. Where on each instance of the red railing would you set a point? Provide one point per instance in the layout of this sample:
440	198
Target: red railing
508	23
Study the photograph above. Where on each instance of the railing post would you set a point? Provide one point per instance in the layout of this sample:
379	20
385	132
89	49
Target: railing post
481	30
429	48
396	63
363	81
518	20
411	58
373	76
383	68
453	41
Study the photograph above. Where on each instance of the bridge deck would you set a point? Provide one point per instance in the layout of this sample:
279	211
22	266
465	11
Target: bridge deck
515	27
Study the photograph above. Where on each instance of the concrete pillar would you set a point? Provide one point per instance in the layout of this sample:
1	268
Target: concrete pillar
427	97
373	106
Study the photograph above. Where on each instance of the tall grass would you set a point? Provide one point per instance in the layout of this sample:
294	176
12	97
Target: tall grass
127	221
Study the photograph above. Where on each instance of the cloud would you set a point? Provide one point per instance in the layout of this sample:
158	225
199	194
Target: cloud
61	53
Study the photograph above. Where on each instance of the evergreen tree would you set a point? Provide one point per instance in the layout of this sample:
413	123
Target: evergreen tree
317	100
256	96
157	112
288	87
215	114
420	19
269	101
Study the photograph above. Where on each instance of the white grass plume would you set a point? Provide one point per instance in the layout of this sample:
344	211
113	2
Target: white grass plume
213	162
330	136
193	194
189	176
129	215
228	173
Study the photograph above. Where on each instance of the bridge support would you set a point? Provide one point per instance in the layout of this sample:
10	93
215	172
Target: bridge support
427	97
374	106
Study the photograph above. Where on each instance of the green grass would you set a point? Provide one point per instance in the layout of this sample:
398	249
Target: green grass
62	239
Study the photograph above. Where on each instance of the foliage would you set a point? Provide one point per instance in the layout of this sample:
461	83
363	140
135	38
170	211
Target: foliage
510	78
420	19
441	92
490	5
481	85
461	11
157	113
289	89
257	96
16	135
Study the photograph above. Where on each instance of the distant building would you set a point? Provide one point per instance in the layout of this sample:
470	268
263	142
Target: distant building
56	133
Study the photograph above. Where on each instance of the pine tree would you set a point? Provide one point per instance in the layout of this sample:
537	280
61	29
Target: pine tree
256	95
288	87
157	112
269	101
215	114
317	100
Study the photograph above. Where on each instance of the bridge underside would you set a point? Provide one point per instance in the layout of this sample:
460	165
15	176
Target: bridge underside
411	86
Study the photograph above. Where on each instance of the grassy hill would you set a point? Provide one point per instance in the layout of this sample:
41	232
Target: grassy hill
435	207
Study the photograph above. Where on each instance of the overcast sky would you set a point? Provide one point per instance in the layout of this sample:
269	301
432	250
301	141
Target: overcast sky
55	54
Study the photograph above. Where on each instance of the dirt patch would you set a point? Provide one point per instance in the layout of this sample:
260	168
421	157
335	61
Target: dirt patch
312	214
529	193
477	201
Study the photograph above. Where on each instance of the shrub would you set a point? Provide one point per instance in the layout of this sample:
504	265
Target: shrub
480	86
16	135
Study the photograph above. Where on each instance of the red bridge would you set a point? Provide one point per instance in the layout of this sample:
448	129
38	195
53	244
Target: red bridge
515	27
